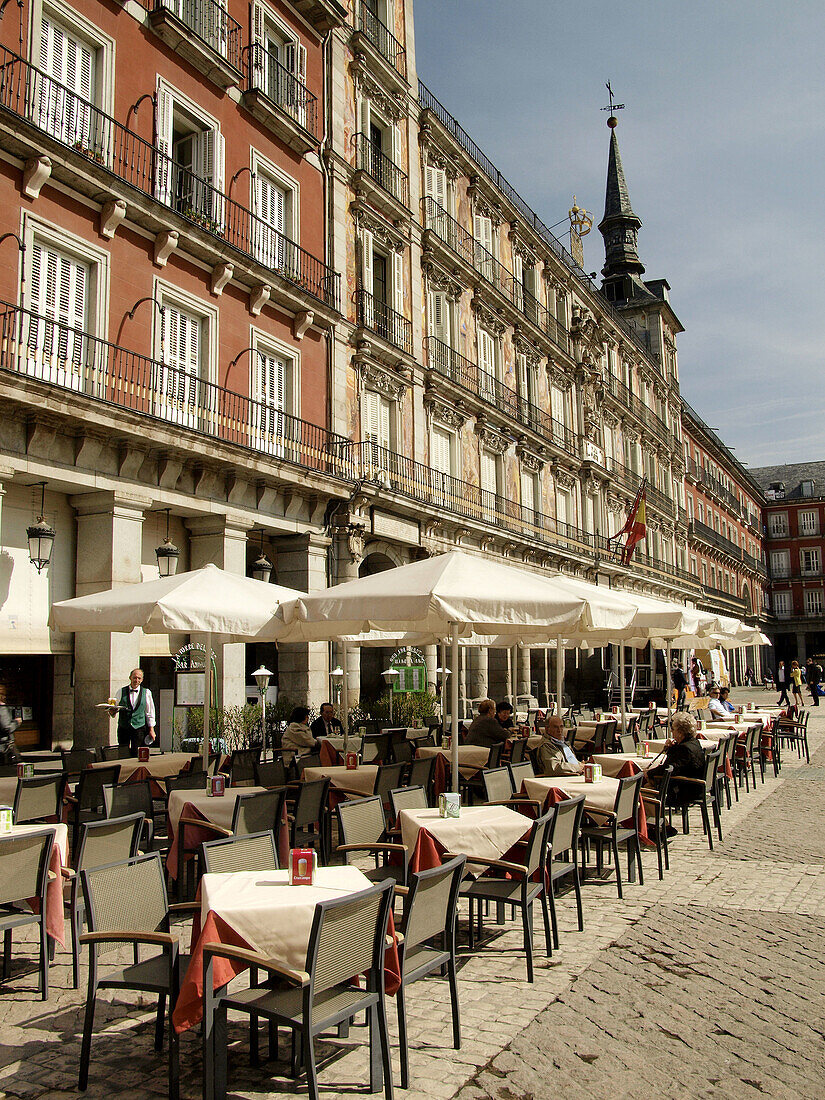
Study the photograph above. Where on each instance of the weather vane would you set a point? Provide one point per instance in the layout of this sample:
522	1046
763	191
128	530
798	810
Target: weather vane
612	107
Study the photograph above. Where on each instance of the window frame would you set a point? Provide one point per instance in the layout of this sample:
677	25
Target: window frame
267	344
103	44
259	163
190	303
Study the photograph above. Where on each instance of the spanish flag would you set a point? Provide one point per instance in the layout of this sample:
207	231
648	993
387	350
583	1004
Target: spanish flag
636	528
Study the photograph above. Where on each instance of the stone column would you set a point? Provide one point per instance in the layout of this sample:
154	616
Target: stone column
349	553
109	547
431	661
523	676
221	540
6	475
303	670
477	672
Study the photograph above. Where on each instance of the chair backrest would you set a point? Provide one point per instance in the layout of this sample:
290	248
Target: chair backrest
704	714
631	723
494	755
258	812
129	798
242	765
407	798
388	778
75	760
252	852
312	798
360	922
89	790
498	784
129	896
730	748
564	831
309	760
711	764
110	841
361	821
271	774
196	765
520	772
402	751
664	785
186	781
421	772
39	798
519	748
646	720
430	906
24	865
536	855
753	736
627	797
376	747
628	742
115	752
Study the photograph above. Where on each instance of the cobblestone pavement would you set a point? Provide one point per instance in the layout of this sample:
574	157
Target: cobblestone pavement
706	984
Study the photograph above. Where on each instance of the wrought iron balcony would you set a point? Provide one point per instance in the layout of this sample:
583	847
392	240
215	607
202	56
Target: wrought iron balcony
39	348
97	140
384	322
450	364
212	27
379	167
476	256
630	481
707	535
281	88
380	37
629	400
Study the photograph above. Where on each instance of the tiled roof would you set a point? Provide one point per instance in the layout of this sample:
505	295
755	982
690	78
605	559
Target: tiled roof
792	476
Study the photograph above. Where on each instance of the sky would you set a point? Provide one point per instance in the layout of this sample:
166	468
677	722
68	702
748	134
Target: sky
722	140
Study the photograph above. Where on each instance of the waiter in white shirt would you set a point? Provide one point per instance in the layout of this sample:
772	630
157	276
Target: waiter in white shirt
136	713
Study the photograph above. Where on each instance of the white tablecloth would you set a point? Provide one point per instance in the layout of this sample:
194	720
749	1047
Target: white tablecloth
470	757
217	810
361	779
597	796
61	837
484	831
160	766
273	917
613	762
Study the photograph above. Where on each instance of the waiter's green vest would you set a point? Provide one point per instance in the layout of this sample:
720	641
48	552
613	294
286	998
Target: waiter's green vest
137	717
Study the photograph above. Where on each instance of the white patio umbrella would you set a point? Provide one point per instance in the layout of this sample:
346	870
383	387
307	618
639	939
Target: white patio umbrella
224	606
452	594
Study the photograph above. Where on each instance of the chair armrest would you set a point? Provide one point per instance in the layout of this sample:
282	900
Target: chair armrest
68	873
371	848
252	958
687	779
161	939
199	824
504	864
402	890
185	907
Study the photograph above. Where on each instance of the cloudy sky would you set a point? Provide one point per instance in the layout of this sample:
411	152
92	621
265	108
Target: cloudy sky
722	142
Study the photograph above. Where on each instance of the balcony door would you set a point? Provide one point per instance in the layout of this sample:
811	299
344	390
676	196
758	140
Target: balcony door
279	65
377	427
269	232
57	340
179	375
63	96
487	363
442	464
189	169
488	478
268	420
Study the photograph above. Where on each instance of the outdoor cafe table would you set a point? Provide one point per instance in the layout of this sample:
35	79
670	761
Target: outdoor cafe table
55	925
360	779
158	766
219	810
259	910
484	831
600	795
615	764
470	757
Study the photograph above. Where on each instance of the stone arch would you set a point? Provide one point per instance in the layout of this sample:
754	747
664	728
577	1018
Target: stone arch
378	557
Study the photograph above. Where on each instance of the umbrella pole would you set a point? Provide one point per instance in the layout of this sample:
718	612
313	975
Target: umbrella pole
669	689
442	698
559	677
207	701
345	694
621	687
454	705
510	695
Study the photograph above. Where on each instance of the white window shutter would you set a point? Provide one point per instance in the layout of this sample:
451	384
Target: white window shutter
528	494
364	116
210	167
164	112
398	282
439	316
371	417
259	63
435	182
384	425
367	277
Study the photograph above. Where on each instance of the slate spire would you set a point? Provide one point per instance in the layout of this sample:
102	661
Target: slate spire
619	226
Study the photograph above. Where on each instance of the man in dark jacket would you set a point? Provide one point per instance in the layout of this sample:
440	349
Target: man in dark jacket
687	757
485	729
326	724
679	681
813	675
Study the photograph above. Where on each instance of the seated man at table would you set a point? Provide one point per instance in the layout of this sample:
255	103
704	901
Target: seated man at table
504	715
326	724
555	757
297	738
724	699
682	751
485	729
718	711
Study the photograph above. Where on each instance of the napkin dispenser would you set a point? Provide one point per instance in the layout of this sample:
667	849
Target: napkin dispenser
351	760
6	821
143	754
641	748
303	863
217	786
446	741
25	771
449	804
592	773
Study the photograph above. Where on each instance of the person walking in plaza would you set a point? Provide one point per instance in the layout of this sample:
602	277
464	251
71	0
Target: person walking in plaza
135	713
796	683
782	684
8	724
679	682
697	673
814	675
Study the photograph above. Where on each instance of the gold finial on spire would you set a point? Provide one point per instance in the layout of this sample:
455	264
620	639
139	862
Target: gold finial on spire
581	222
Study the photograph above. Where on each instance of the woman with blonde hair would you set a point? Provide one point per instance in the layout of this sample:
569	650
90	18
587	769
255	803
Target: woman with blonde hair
796	683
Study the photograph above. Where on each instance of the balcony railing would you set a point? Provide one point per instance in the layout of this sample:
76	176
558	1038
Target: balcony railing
475	255
719	595
41	348
713	538
448	363
630	481
626	397
378	166
211	22
93	135
385	322
269	77
387	45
